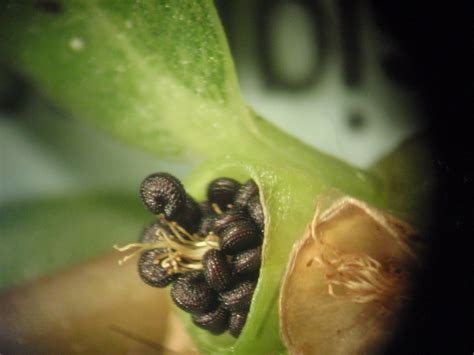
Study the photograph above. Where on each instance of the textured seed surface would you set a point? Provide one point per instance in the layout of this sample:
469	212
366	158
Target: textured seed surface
256	212
236	323
190	216
216	270
153	273
216	321
163	193
248	261
239	236
222	191
245	193
149	234
225	219
191	293
238	298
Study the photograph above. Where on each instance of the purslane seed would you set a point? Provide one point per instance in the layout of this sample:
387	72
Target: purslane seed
225	219
216	270
216	321
256	212
248	261
239	236
245	193
238	299
192	294
210	252
236	323
163	193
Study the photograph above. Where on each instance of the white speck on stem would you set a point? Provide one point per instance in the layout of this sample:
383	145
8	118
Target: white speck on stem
76	44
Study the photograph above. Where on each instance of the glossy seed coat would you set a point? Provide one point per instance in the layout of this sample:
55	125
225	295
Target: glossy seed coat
153	273
238	299
248	261
236	323
227	218
239	236
255	210
163	193
222	191
216	270
245	193
191	293
216	321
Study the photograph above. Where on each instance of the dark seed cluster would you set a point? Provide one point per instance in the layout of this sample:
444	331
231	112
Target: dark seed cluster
216	289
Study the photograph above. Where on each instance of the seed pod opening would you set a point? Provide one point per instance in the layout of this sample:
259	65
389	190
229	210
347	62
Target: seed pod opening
163	193
192	246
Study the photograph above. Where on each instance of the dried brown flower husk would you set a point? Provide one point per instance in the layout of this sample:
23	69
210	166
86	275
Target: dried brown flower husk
347	279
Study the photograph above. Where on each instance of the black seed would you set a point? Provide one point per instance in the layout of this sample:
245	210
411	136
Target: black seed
222	191
236	323
238	299
163	193
149	234
216	270
190	216
239	236
152	272
191	293
248	261
256	212
226	219
216	321
207	223
245	193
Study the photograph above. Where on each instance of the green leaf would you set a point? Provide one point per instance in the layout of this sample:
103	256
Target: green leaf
40	237
156	74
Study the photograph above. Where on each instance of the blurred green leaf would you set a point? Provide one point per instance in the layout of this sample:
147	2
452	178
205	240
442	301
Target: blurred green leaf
157	74
40	237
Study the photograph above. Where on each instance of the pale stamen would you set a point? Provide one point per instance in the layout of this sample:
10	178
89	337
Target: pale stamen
184	250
